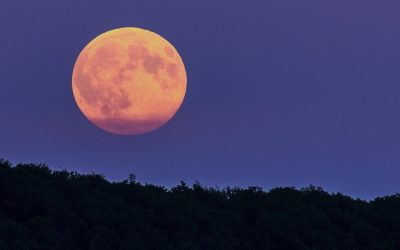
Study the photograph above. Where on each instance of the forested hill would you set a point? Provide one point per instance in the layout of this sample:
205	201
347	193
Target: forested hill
45	209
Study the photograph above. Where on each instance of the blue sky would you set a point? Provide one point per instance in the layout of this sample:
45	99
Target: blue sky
280	93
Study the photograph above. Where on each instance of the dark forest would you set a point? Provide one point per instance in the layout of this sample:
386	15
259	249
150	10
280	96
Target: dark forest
45	209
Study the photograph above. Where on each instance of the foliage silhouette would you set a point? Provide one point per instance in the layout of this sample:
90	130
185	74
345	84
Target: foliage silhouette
45	209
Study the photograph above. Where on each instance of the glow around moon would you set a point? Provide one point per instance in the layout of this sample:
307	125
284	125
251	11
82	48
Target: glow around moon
129	81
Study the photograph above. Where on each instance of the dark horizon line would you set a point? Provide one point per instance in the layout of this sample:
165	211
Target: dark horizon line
132	178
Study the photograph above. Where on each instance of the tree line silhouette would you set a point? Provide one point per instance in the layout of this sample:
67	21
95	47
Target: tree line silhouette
45	209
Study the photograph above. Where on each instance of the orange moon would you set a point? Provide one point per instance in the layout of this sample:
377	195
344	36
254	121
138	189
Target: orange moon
129	81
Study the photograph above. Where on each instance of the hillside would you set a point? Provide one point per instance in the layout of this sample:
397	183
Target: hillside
45	209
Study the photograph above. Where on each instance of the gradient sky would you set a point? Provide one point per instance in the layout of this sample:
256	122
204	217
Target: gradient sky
280	93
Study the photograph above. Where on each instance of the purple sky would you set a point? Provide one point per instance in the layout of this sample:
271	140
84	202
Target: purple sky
280	93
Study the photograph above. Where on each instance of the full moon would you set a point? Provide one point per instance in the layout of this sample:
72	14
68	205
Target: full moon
129	81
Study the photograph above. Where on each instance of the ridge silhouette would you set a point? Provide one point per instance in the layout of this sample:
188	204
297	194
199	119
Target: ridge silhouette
45	209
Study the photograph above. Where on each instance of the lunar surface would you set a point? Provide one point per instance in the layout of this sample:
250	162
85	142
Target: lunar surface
129	81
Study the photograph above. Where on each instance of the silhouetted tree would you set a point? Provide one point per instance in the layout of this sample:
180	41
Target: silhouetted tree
45	209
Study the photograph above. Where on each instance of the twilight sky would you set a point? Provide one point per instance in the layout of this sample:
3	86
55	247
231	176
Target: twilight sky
280	93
